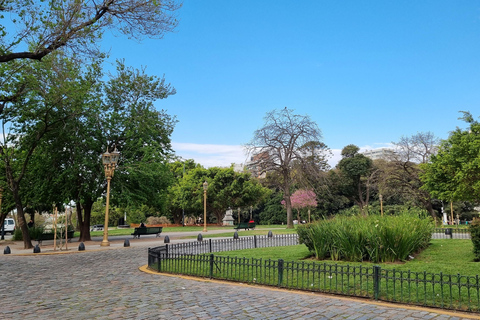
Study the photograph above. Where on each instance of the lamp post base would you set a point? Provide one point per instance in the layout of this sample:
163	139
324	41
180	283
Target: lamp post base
105	243
205	230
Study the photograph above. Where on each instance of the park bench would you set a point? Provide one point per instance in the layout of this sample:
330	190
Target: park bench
50	236
146	230
245	225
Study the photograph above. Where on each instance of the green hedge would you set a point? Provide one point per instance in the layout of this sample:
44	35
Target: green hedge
474	229
372	238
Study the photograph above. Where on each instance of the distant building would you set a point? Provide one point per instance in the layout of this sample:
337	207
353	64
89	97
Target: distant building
256	166
238	167
381	153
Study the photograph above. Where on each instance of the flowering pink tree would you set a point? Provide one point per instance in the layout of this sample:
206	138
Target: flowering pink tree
303	199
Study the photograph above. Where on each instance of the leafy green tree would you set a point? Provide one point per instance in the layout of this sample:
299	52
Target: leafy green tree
46	26
130	123
330	196
56	93
273	212
226	188
124	118
454	172
277	148
357	176
32	30
231	189
189	193
142	134
179	198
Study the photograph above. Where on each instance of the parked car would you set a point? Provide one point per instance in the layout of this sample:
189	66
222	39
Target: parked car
9	225
96	227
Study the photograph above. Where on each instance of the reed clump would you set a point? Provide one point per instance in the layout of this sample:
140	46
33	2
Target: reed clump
371	238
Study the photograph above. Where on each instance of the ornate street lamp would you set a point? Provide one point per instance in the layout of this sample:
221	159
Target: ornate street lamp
205	186
109	161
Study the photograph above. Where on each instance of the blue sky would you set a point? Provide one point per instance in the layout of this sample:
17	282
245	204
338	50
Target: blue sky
368	72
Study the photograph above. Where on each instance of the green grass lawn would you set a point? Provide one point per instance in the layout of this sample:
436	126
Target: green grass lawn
445	255
430	278
245	233
229	231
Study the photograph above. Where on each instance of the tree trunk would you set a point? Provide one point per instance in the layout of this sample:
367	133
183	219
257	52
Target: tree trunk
361	202
3	216
288	205
219	216
429	207
177	215
27	242
85	222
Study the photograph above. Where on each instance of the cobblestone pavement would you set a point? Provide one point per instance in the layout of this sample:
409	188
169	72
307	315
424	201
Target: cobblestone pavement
109	285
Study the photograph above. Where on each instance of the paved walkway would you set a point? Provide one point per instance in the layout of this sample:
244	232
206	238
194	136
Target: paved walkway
108	284
116	242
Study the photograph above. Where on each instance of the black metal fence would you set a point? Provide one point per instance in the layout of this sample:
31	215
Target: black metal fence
419	288
218	245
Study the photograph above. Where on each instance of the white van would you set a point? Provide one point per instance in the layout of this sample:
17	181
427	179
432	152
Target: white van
9	225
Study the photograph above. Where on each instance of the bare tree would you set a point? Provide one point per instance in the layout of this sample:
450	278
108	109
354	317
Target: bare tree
277	147
31	30
45	26
402	172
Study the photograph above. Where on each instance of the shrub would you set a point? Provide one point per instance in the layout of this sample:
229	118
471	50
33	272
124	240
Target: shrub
303	236
33	232
17	234
373	238
157	220
474	229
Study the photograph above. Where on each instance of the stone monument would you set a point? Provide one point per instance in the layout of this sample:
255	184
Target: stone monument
228	219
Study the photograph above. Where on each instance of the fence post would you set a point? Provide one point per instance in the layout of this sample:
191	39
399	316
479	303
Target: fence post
255	241
158	261
166	251
376	281
211	266
150	259
210	244
280	272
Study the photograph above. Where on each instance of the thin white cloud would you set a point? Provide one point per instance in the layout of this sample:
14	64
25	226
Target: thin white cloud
218	155
336	157
211	155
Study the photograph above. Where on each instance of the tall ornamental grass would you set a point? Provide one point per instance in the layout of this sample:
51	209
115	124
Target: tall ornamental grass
372	238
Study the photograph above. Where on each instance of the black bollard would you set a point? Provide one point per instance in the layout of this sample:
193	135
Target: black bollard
7	250
199	237
235	235
126	243
166	239
81	247
37	249
270	234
